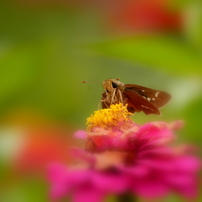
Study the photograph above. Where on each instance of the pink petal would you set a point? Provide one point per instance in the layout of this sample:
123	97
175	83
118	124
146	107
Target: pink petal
176	125
110	182
63	180
150	132
150	188
57	177
189	164
88	193
136	170
80	134
152	152
83	155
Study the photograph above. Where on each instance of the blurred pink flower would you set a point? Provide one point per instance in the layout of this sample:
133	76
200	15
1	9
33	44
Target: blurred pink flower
144	16
126	158
41	147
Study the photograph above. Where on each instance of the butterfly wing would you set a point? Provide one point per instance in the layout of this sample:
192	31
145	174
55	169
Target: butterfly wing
137	103
156	97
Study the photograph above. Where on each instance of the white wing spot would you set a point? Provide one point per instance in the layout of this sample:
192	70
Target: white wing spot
153	99
144	97
148	99
143	106
143	91
156	94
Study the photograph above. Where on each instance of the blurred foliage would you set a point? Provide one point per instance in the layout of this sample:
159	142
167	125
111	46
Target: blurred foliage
48	48
174	54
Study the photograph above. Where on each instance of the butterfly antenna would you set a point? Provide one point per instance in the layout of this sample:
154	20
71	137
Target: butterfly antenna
89	82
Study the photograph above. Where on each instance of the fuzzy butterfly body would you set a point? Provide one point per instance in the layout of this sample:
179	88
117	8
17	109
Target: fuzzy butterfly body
137	98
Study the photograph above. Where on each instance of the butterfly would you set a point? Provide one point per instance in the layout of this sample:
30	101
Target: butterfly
138	98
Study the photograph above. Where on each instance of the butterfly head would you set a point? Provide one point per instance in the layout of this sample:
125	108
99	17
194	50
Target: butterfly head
110	84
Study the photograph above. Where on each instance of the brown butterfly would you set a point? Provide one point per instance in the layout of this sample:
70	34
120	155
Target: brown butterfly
137	97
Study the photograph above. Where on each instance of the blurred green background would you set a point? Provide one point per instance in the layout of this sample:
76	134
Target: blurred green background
48	47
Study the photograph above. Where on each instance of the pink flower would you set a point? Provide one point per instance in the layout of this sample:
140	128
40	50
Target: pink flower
126	157
143	16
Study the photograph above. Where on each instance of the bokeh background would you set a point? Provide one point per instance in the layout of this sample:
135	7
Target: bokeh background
47	47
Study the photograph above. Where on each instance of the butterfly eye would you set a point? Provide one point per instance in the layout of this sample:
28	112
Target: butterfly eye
114	85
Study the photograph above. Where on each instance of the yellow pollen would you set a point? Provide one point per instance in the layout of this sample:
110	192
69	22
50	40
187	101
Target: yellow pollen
109	117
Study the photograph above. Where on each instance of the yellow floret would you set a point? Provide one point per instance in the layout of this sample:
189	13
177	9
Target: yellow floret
109	117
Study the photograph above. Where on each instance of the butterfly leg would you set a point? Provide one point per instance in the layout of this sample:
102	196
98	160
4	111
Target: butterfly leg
105	103
120	96
112	98
99	104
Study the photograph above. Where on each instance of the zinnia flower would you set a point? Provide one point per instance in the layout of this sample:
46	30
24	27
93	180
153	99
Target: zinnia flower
121	157
144	16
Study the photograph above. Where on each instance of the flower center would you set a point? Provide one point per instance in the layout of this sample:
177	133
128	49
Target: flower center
109	117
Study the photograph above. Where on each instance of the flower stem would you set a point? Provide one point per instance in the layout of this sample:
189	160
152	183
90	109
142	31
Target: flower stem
126	197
